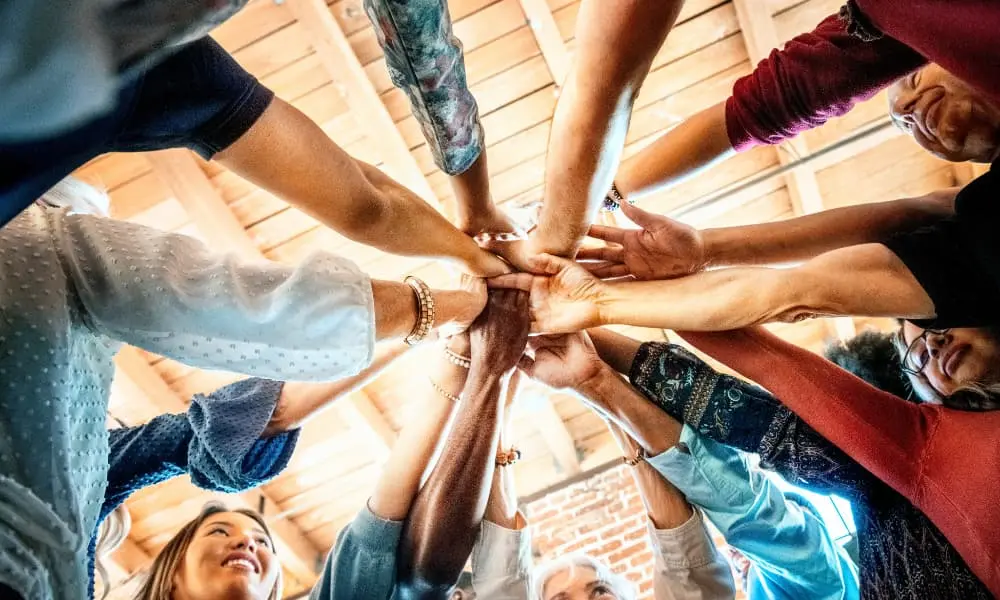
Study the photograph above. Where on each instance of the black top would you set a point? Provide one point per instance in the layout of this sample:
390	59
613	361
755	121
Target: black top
902	555
957	261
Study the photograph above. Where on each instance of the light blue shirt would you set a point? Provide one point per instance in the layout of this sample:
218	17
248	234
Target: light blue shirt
793	555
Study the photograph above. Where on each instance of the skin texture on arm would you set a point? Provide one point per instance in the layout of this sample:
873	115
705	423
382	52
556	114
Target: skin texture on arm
289	155
396	307
697	143
419	441
616	44
867	280
665	248
300	401
665	504
444	521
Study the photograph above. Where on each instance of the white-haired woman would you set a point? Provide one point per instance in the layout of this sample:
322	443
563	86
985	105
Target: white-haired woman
579	577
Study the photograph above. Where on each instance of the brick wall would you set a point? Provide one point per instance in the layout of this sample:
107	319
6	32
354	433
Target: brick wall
602	516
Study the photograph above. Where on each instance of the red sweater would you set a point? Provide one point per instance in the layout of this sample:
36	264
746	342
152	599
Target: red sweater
824	73
944	461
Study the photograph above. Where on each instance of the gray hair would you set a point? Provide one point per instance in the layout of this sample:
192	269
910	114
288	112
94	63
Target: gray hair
541	575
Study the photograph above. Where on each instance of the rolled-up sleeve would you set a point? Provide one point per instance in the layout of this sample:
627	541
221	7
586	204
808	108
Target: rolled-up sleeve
501	562
687	564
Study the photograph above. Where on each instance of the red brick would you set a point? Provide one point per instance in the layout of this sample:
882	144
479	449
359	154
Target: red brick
626	553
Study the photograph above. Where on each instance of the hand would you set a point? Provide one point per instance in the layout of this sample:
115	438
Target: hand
663	248
484	263
564	296
500	333
470	299
494	221
562	361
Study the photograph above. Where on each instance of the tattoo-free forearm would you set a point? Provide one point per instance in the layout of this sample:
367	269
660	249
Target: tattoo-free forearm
444	521
804	237
665	504
396	308
695	144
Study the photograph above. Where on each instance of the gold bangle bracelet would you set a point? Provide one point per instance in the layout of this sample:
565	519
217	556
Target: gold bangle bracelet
425	311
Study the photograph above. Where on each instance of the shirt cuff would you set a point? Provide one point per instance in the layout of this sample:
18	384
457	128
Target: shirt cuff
500	553
688	546
375	533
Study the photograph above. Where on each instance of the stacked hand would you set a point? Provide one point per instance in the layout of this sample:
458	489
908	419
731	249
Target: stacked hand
562	361
500	333
663	248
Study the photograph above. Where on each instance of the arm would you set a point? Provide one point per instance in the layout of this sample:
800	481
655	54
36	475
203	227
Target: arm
287	154
444	520
316	321
616	45
220	442
786	542
885	434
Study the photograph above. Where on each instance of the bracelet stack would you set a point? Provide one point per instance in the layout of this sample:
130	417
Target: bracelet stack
614	199
505	458
457	359
425	311
640	455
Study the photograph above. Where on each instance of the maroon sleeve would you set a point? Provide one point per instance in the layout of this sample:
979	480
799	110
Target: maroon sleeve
816	76
886	435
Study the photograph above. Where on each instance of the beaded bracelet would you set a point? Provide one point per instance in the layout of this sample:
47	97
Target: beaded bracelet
640	455
457	359
444	392
508	457
425	311
614	199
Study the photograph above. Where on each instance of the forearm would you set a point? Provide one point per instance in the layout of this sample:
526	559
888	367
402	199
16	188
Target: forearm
501	508
637	417
617	44
665	504
615	349
396	308
300	401
866	280
805	237
421	439
695	144
444	521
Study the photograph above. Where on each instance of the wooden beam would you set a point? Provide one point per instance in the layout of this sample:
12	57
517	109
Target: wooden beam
359	412
180	172
550	42
966	172
334	51
556	435
760	37
298	556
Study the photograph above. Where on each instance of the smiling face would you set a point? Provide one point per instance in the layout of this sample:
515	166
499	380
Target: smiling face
953	358
578	583
230	557
946	116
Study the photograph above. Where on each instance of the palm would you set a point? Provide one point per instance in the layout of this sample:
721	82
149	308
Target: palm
669	249
564	302
565	360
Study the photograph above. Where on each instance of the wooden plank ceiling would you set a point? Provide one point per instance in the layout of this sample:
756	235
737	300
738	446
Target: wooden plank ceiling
326	61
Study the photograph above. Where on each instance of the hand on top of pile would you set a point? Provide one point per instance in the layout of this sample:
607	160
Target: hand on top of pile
663	248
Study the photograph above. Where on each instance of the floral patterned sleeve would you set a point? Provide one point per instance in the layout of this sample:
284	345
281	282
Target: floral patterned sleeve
424	59
742	415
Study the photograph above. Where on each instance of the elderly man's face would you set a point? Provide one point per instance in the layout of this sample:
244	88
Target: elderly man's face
579	583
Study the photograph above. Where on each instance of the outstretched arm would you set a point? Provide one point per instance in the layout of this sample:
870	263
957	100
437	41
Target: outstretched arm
616	44
287	154
444	520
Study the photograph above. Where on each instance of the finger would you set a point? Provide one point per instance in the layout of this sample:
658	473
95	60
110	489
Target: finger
607	270
640	217
608	234
621	279
614	253
511	281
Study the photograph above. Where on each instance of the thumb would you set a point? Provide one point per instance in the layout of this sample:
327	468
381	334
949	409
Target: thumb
640	217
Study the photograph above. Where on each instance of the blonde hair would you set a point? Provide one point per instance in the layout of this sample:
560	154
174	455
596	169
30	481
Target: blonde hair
159	583
541	575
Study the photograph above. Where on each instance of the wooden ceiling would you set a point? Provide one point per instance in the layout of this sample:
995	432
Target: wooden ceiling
326	61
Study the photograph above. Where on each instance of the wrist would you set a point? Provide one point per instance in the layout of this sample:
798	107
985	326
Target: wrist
598	386
713	242
452	306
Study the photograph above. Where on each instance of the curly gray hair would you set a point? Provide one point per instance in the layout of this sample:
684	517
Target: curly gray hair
622	587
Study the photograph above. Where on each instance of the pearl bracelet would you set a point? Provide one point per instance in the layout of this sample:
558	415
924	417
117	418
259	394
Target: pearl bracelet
444	392
457	359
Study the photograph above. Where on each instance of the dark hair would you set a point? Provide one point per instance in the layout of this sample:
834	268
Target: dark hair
159	582
872	356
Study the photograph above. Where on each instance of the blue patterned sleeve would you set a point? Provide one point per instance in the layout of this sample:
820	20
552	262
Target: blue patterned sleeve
742	415
217	442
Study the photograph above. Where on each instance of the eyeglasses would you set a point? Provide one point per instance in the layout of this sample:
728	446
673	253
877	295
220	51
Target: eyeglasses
917	355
